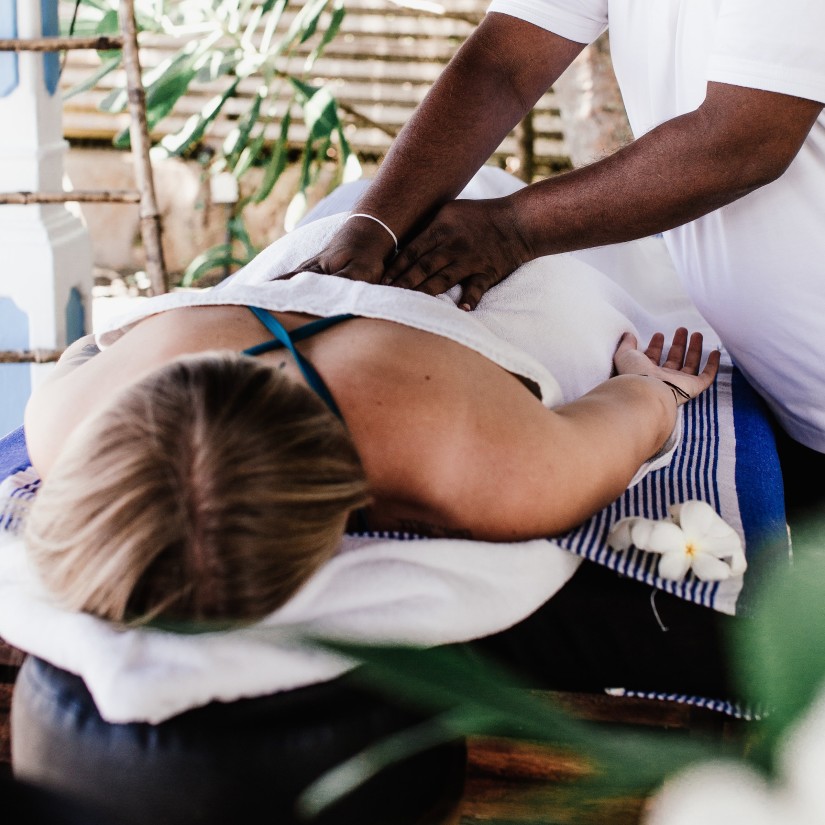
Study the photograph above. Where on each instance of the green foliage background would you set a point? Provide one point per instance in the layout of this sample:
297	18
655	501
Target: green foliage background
230	41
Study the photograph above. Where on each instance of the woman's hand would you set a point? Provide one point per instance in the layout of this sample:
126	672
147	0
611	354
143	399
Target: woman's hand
680	368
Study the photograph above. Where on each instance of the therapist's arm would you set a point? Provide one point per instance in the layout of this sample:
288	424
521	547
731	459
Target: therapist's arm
738	140
490	84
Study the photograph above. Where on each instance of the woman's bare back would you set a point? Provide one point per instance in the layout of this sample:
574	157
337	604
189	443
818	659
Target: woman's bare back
403	393
452	443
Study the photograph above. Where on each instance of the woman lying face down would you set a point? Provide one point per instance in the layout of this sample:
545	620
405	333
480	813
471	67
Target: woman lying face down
183	480
211	488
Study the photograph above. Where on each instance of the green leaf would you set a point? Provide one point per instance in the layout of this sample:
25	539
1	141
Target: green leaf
237	139
350	166
338	14
109	24
277	162
320	109
93	79
115	101
251	27
85	24
82	28
303	24
274	9
312	16
269	5
305	90
170	82
217	64
195	127
215	258
780	652
230	13
99	5
470	696
354	772
164	92
305	178
164	84
249	155
237	229
123	139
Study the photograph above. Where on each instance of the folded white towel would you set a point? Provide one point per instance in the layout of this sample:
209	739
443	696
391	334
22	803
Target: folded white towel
423	592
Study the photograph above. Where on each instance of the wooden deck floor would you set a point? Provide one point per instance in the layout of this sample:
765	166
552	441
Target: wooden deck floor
514	782
509	783
10	661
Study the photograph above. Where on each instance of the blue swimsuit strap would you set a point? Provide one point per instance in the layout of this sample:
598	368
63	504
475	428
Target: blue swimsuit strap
288	340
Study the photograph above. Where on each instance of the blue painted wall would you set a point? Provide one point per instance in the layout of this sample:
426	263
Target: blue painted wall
75	316
9	71
9	77
15	379
51	60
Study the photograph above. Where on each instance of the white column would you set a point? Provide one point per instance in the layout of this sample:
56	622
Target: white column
46	273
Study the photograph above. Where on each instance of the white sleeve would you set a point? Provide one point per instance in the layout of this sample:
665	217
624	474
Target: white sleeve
775	46
579	20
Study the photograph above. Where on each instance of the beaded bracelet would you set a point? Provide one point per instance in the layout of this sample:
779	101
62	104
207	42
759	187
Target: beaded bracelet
677	391
378	221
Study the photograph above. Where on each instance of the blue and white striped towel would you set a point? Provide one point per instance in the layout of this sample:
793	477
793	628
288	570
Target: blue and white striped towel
727	458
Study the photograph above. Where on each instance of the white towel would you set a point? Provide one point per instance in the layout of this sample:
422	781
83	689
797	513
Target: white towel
423	592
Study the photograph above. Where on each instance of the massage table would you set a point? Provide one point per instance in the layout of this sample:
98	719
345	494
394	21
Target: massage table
157	734
225	761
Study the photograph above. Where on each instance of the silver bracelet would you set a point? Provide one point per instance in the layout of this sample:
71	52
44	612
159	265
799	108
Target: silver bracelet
373	218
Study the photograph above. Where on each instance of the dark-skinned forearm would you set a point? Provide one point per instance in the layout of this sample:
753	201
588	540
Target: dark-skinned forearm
681	170
487	88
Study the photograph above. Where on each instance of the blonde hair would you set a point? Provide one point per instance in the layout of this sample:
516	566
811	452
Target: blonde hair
209	490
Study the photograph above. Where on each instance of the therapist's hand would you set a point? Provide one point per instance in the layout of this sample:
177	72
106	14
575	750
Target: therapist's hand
359	250
474	243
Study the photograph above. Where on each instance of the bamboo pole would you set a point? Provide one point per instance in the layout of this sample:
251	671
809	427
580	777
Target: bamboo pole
526	134
79	196
58	44
150	226
30	356
362	120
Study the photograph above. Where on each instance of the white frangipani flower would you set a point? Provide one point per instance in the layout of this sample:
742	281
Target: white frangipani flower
695	537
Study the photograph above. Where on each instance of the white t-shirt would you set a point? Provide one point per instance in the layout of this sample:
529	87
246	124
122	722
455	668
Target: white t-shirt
754	268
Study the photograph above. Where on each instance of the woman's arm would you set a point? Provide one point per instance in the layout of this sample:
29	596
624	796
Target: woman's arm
77	353
507	468
44	404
